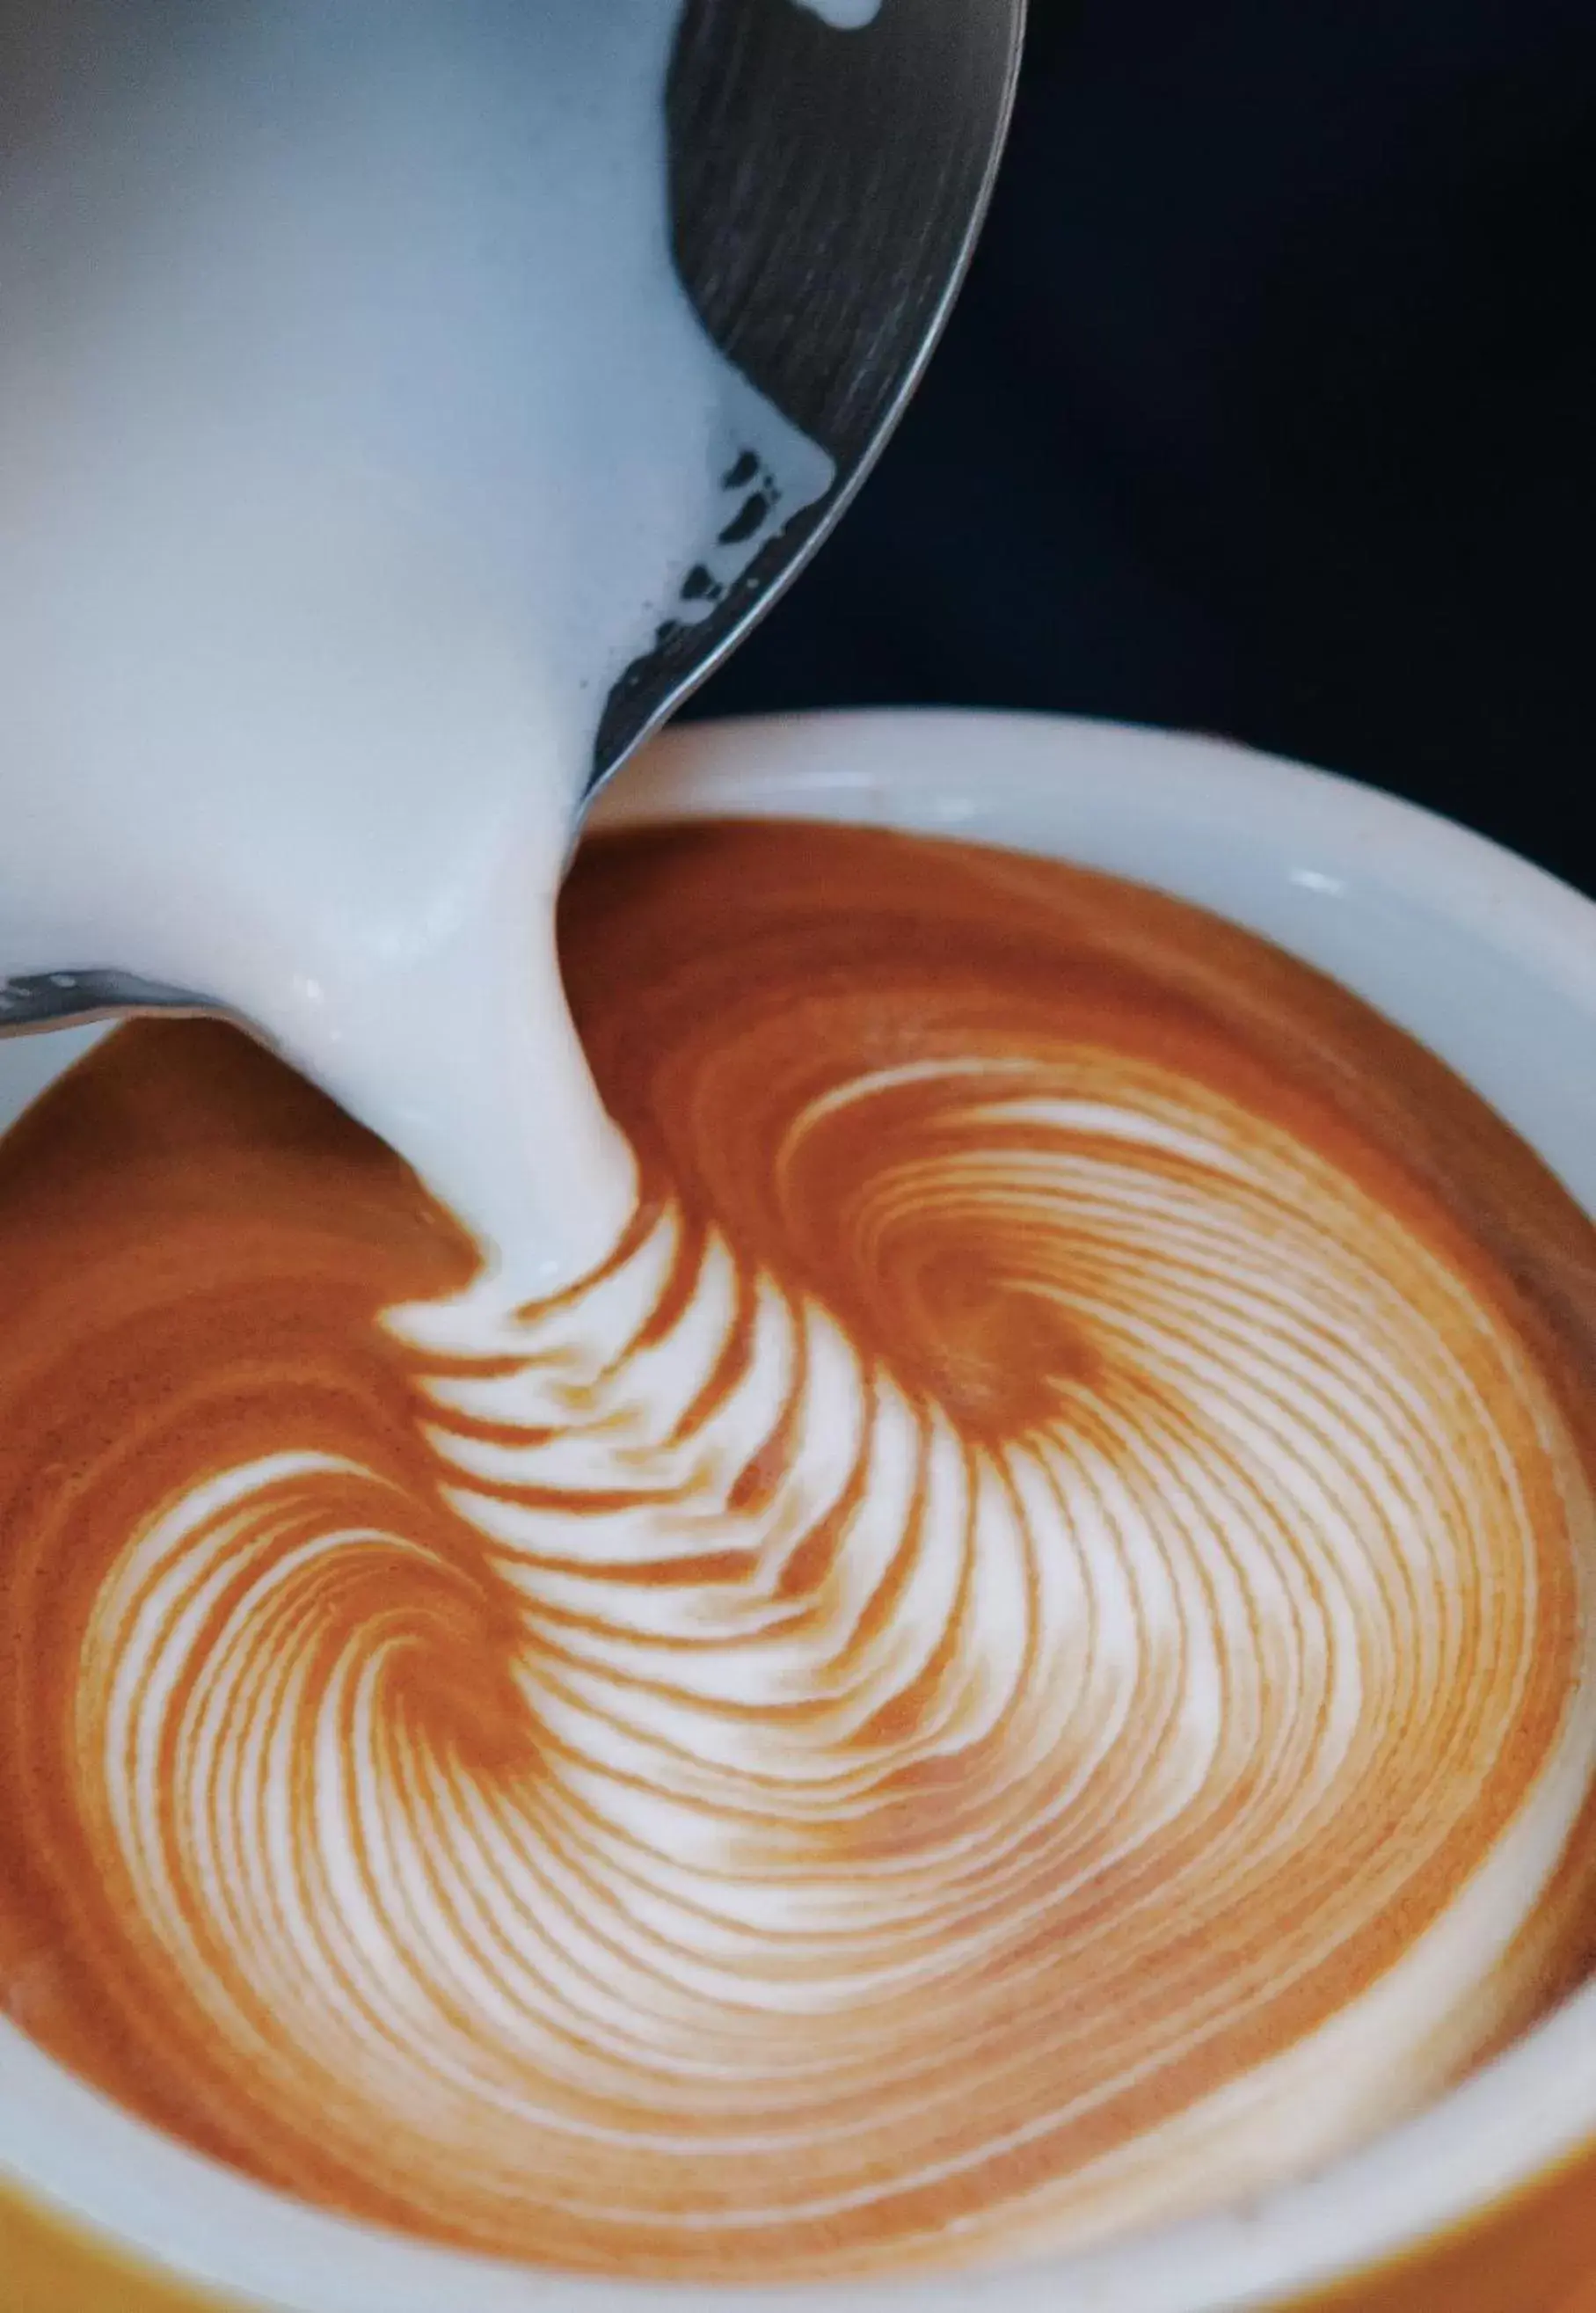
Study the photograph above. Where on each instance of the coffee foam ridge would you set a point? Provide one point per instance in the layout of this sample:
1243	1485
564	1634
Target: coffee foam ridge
635	1700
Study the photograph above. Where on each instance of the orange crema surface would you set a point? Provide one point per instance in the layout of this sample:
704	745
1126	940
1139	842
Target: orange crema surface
1016	1662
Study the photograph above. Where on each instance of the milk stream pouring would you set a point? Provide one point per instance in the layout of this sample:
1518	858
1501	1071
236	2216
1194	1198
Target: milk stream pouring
355	434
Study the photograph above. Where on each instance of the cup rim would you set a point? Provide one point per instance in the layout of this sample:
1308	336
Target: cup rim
1504	2129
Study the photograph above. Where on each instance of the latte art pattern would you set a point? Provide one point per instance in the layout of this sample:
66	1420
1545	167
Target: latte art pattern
1006	1668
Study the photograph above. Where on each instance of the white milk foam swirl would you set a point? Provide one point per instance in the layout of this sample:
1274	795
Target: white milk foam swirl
890	1837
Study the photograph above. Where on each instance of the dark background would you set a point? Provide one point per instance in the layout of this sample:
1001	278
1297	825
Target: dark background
1269	409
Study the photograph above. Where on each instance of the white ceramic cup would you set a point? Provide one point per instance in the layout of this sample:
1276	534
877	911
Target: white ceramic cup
1487	961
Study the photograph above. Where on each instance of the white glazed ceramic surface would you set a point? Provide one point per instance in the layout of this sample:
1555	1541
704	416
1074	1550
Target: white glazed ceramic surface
1493	964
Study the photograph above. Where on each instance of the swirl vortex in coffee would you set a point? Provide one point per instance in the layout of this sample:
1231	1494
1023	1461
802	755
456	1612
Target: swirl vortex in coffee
1016	1662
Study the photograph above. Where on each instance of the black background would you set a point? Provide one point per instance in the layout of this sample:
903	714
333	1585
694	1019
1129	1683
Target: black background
1269	409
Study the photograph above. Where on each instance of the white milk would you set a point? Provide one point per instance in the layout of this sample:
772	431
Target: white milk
354	435
846	15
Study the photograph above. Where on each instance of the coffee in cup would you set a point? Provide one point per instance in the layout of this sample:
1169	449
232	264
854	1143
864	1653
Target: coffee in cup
1014	1665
